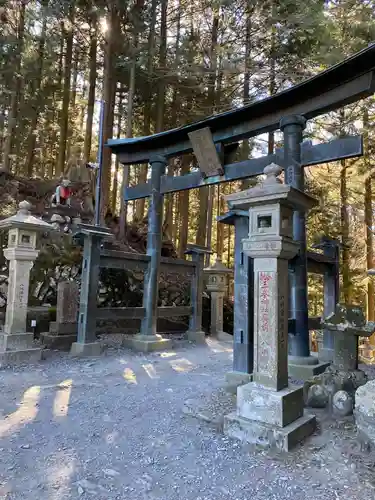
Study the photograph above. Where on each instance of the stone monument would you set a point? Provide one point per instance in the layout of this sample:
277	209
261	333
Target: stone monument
347	323
63	332
217	285
269	412
16	343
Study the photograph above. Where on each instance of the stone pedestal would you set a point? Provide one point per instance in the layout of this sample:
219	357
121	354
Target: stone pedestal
16	344
269	412
63	332
217	285
304	367
147	343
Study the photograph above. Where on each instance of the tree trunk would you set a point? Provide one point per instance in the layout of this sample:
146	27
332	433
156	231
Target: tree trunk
91	97
346	289
160	104
117	164
137	17
109	92
272	85
64	118
37	92
73	98
184	210
13	112
368	219
246	150
206	195
175	105
140	207
2	125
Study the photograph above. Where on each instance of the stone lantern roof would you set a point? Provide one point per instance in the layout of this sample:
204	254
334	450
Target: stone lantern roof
23	219
218	268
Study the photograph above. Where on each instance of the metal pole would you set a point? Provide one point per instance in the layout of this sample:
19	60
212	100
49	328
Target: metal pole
99	161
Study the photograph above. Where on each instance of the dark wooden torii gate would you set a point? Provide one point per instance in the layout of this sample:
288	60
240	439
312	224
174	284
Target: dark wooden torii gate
214	139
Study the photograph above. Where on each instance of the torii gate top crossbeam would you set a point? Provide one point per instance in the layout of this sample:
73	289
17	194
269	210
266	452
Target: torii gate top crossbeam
342	84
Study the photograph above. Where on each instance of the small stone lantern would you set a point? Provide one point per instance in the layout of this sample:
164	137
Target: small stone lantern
16	345
217	285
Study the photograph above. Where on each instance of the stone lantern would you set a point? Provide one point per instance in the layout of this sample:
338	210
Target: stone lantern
16	344
217	284
269	411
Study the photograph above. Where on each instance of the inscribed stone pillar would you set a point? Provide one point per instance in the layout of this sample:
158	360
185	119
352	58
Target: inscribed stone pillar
195	332
16	344
63	332
217	285
269	412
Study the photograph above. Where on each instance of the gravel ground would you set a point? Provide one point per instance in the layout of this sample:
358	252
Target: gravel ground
113	428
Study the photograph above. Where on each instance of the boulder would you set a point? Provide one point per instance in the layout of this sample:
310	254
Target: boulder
342	403
364	411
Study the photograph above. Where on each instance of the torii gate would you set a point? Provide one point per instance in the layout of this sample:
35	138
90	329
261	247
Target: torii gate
213	138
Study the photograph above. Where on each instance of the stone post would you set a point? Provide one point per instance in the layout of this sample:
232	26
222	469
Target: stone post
195	332
16	344
269	412
217	285
63	332
301	364
148	339
87	344
243	335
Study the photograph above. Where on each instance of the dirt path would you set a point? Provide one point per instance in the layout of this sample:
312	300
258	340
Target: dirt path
113	428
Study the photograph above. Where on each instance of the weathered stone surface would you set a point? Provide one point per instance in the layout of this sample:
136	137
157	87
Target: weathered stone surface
364	410
14	341
342	403
147	343
317	397
199	337
266	435
268	411
16	345
20	356
67	302
305	372
279	408
83	350
334	380
347	323
234	379
60	342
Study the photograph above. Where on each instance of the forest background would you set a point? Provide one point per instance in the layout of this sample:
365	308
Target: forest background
160	64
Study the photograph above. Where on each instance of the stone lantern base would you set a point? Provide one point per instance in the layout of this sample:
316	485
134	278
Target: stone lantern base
269	418
18	348
147	343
